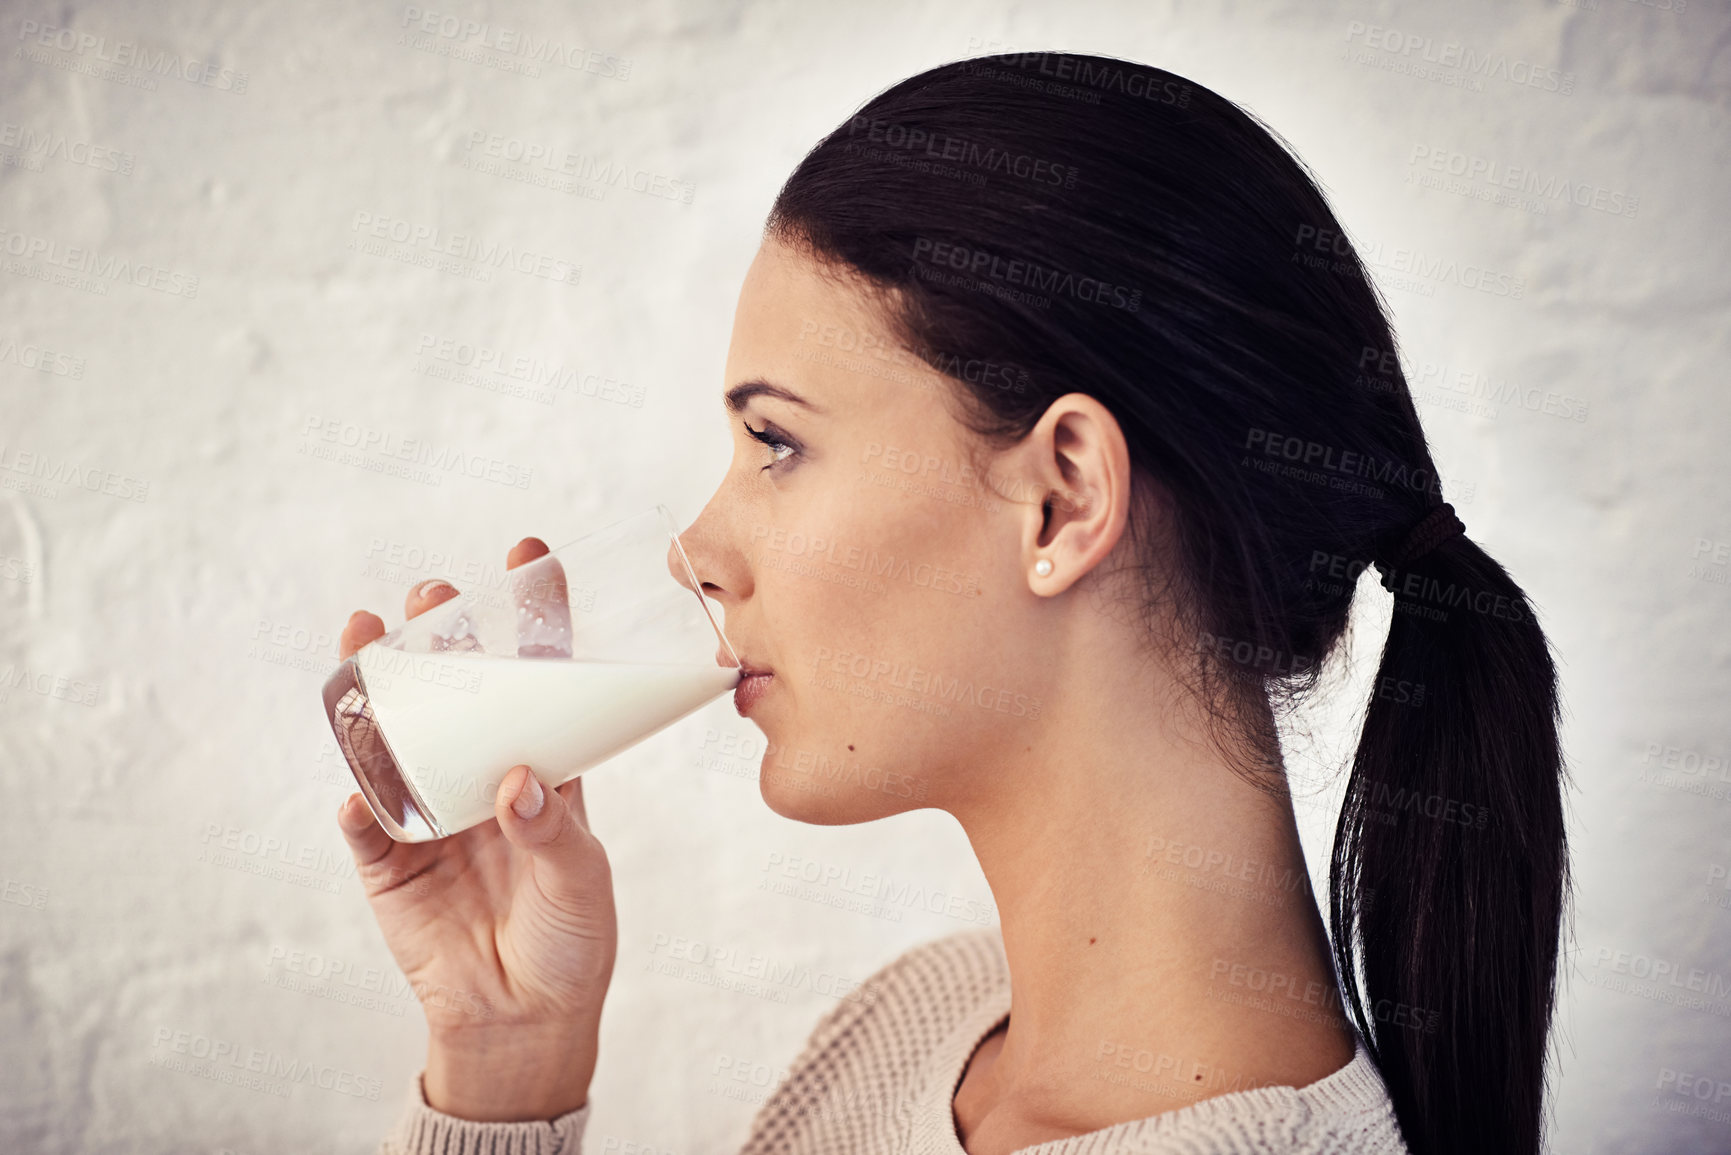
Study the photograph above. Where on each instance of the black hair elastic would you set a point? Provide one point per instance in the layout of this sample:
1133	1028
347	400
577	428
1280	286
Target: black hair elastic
1432	530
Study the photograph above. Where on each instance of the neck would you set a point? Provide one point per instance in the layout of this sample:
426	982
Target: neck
1163	942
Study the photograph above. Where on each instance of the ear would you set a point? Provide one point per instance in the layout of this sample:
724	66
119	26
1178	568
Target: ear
1079	463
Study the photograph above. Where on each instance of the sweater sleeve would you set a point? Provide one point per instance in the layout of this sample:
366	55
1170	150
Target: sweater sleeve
421	1130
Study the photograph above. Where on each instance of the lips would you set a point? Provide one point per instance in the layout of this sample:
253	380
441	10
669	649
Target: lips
754	683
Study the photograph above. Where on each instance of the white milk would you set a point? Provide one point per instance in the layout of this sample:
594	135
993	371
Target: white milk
458	723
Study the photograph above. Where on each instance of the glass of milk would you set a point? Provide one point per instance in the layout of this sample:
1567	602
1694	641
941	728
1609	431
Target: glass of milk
560	664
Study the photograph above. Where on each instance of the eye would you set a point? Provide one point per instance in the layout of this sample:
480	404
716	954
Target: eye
780	449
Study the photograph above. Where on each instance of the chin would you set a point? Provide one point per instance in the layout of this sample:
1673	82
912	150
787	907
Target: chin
811	794
802	798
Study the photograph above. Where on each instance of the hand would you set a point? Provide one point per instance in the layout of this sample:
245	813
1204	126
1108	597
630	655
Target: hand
506	930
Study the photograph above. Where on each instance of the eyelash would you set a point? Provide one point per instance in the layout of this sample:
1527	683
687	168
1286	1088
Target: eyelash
772	440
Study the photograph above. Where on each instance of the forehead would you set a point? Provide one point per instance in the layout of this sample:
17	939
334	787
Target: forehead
824	335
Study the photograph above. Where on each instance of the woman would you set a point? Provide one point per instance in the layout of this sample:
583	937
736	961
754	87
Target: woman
1064	421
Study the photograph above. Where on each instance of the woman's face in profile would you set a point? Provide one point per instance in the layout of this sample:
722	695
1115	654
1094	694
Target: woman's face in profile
867	549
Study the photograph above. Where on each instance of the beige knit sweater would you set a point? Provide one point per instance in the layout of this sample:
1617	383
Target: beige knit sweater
878	1077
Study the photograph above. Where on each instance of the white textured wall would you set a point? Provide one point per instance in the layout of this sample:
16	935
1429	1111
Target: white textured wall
164	632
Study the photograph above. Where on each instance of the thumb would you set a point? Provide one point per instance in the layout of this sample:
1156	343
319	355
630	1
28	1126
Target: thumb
570	865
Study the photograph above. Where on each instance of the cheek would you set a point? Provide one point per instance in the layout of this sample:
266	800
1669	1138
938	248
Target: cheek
893	634
908	672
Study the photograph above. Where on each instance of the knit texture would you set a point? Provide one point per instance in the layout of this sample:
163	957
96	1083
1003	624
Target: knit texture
879	1072
423	1131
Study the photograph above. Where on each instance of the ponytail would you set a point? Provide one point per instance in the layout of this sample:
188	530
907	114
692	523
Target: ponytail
1449	870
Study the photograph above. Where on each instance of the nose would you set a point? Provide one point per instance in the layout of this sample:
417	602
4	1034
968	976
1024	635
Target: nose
716	562
676	566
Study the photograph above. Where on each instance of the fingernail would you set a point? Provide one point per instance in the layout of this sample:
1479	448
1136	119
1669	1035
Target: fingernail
529	800
426	588
350	814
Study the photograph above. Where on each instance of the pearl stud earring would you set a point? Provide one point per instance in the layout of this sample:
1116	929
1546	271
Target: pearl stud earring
1043	567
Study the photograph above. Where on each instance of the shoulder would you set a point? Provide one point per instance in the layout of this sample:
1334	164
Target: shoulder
850	1087
1346	1113
960	965
937	980
1351	1111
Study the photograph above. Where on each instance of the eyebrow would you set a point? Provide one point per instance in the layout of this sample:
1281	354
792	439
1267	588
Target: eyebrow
737	396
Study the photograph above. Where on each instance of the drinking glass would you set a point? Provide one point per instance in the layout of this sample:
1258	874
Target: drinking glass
560	663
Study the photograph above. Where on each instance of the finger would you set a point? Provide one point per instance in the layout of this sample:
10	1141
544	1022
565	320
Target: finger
526	550
543	601
362	627
382	864
366	838
432	592
570	867
573	792
456	635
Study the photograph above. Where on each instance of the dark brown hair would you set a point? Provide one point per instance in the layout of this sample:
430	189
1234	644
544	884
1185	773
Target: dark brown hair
1114	229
